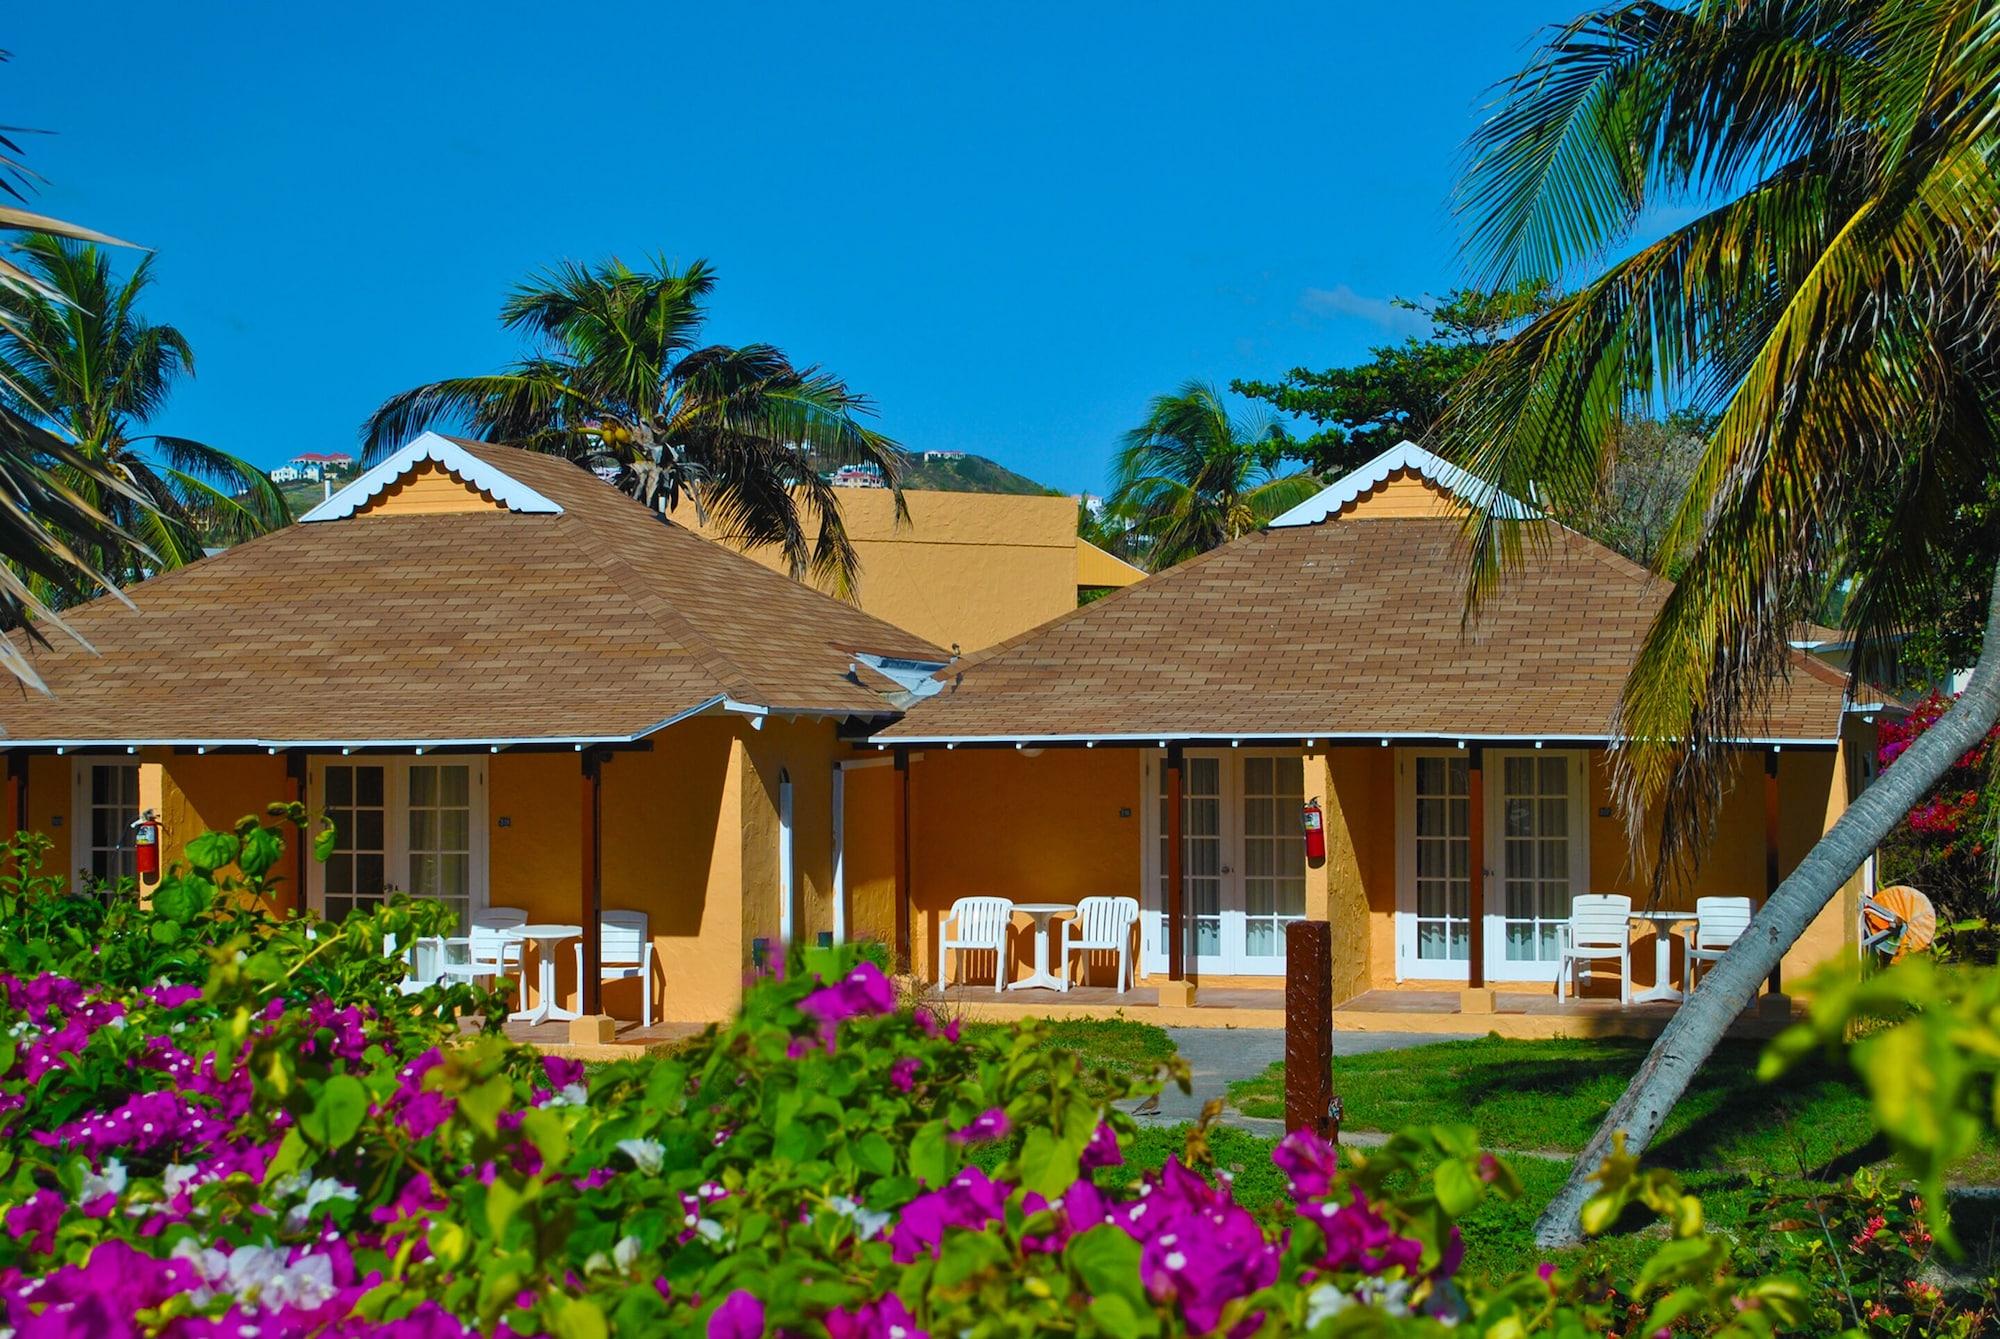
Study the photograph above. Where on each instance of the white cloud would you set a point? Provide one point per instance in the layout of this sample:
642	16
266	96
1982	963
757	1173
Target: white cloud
1341	300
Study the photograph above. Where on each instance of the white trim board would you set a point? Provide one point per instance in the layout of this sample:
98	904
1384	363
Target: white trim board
1407	456
447	455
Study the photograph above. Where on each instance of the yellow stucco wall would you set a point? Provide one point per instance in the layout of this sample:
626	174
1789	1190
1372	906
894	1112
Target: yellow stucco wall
1096	568
968	568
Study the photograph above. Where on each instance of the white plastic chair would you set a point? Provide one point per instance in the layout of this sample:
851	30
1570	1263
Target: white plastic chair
487	950
624	950
1599	930
1718	923
1102	925
981	923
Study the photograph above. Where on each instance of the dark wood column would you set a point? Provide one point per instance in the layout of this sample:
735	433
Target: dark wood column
1771	870
900	809
295	774
590	990
1177	935
1475	869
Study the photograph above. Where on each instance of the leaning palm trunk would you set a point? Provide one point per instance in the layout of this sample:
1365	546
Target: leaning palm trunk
1693	1033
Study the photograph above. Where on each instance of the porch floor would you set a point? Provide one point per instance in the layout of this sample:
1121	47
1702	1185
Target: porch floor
629	1041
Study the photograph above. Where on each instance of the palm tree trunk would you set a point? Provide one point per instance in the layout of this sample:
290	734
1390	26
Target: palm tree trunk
1691	1036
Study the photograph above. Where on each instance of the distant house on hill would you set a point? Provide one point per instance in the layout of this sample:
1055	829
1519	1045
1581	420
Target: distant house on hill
858	476
313	465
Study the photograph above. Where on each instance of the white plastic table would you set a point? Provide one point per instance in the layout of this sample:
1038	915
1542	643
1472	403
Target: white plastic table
1042	978
1663	922
545	938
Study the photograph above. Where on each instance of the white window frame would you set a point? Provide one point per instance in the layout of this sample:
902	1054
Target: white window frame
787	861
80	845
396	817
1234	917
1489	853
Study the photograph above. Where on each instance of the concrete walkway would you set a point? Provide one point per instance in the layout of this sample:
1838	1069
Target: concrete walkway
1218	1057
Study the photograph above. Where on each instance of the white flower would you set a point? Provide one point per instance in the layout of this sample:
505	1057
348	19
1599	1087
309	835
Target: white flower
318	1192
179	1176
709	1229
626	1253
1324	1303
572	1095
867	1222
1390	1295
598	1263
111	1181
648	1155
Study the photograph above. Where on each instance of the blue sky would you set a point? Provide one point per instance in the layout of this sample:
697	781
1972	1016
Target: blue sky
1010	226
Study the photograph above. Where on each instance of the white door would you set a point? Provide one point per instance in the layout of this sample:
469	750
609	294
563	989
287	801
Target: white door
1536	856
1243	860
1533	855
408	825
1434	865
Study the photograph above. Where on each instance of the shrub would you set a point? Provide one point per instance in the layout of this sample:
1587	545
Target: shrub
220	1121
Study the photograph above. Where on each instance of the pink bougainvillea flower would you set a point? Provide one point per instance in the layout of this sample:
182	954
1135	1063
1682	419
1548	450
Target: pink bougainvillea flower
884	1318
862	991
987	1126
969	1200
36	1220
740	1316
1308	1161
1359	1238
903	1073
1102	1150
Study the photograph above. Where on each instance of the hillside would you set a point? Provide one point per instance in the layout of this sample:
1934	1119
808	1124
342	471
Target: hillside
967	474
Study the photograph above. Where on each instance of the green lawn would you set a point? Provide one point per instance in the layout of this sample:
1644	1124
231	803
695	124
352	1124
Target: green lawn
1114	1051
1734	1141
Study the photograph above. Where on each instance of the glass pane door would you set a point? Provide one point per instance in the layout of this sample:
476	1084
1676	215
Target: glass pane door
1201	846
114	807
440	835
1443	859
1274	853
357	804
1535	859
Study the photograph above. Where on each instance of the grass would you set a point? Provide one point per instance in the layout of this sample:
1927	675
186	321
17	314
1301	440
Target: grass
1734	1141
1115	1051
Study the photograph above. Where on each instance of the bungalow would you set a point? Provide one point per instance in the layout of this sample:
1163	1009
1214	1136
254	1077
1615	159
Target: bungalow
508	685
1183	723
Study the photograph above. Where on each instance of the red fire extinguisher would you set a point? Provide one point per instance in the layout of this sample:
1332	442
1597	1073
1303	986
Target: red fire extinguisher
1314	823
146	846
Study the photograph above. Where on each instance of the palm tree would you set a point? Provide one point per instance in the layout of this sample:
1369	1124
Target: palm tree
46	527
617	379
1832	301
1191	478
76	355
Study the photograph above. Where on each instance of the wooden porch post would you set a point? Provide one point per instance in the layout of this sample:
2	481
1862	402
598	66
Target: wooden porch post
295	773
1176	876
900	808
1771	871
1310	1103
590	990
1476	999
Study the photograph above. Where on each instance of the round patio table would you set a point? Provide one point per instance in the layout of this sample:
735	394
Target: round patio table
545	938
1663	922
1042	978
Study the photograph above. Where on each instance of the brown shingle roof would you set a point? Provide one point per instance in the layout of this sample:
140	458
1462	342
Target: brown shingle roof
603	622
1335	629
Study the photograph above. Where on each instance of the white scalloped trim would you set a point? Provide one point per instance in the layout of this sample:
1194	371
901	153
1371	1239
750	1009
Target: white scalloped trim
1405	455
449	456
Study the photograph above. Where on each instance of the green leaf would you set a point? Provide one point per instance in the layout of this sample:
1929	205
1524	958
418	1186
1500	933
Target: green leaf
874	1155
291	1153
927	1154
164	932
181	900
1117	1316
323	844
337	1111
212	850
580	1318
261	850
1458	1190
1048	1164
1108	1263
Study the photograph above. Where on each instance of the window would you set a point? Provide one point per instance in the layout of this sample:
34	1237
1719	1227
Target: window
1443	858
1274	852
107	804
415	826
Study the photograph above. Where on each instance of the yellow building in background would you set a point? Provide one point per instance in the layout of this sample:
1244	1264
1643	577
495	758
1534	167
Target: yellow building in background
966	569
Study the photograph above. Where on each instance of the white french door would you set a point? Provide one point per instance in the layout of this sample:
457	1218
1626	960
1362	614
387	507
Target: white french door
411	825
1243	859
1533	853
